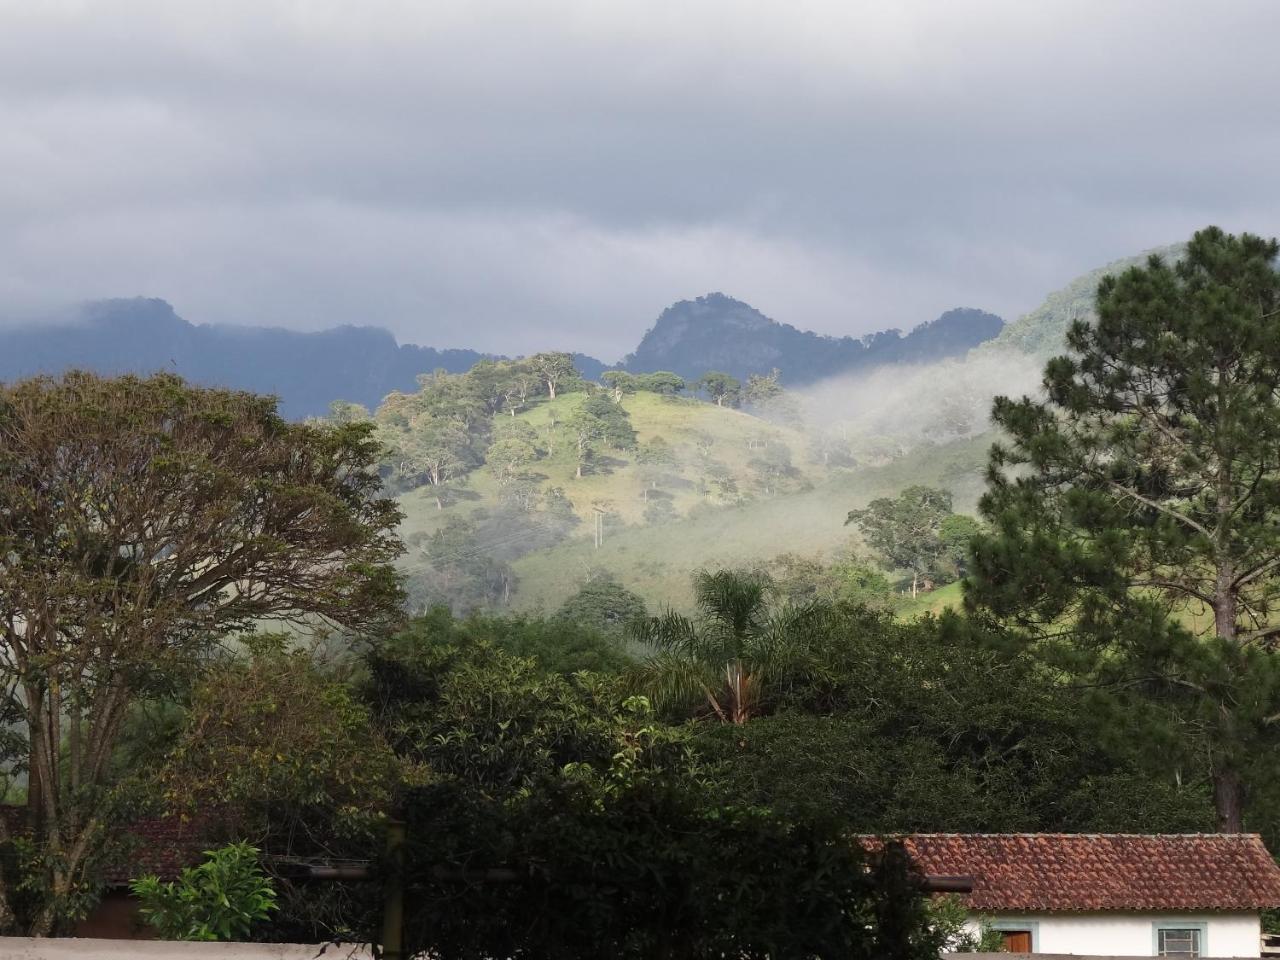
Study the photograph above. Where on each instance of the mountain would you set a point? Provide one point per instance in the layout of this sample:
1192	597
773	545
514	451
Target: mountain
1043	332
306	370
363	364
717	332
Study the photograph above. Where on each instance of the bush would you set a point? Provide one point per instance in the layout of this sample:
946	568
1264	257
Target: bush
218	900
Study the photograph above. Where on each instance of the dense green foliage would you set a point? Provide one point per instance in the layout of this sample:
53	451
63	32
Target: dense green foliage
587	779
275	748
917	532
735	657
221	899
1136	509
141	522
564	820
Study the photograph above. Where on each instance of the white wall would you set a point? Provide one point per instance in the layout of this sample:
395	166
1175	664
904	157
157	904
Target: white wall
1122	934
23	948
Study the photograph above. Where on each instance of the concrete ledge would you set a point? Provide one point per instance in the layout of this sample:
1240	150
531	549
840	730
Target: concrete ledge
28	948
1044	956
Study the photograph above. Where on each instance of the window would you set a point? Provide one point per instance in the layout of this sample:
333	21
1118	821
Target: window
1018	936
1016	941
1180	940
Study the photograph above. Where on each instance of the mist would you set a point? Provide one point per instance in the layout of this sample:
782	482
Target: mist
894	410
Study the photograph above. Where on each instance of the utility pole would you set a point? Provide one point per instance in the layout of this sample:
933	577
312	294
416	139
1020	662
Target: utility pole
393	894
599	526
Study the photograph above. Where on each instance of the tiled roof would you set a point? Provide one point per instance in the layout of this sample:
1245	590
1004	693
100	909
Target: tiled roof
162	846
1070	872
159	845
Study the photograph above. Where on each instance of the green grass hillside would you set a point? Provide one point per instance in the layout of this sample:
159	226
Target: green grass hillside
802	512
697	434
656	561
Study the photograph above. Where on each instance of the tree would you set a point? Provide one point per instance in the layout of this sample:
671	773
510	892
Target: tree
514	448
656	460
434	437
1145	487
619	383
434	450
768	399
554	369
462	569
343	411
732	654
721	387
904	531
491	383
563	820
660	511
275	748
955	534
831	445
603	603
599	420
523	381
142	520
761	389
772	466
949	726
662	381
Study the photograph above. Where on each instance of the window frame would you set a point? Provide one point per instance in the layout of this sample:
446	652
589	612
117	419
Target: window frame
1201	926
1009	925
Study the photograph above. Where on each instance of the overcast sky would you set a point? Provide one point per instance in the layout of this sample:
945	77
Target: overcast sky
530	174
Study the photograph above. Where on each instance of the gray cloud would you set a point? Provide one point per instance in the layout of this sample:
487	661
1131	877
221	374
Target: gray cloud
512	175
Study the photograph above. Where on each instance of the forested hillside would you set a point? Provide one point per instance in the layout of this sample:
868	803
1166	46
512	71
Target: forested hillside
1043	331
516	499
694	473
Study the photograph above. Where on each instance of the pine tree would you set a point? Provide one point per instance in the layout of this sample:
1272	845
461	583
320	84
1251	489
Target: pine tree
1145	489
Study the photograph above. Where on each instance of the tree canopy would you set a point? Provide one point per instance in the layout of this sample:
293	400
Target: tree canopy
1144	490
142	521
906	531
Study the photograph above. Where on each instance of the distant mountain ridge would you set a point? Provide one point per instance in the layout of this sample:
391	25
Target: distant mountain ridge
717	332
308	371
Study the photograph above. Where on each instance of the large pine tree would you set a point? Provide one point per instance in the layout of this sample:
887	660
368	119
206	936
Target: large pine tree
1135	511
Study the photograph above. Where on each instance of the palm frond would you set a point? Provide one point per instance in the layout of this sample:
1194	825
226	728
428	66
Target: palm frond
733	599
673	681
668	631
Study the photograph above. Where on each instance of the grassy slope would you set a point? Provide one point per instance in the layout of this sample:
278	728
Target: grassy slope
615	482
949	597
657	561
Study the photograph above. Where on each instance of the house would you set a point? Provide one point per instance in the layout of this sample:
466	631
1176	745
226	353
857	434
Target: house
162	846
157	845
1180	895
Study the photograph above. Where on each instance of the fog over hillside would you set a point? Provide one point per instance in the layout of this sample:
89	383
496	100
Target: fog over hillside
902	408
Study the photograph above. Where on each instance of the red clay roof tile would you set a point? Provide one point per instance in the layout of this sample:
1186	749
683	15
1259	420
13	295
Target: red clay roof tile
1082	872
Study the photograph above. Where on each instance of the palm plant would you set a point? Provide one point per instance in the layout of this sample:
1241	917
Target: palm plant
733	655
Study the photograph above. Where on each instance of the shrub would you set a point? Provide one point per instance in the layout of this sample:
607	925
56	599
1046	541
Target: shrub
218	900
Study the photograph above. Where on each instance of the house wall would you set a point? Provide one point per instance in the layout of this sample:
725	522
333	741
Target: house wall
114	918
1121	934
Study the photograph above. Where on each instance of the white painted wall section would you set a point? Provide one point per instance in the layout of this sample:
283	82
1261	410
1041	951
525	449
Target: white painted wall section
1131	934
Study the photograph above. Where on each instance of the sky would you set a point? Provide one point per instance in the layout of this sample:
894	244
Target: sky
550	174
